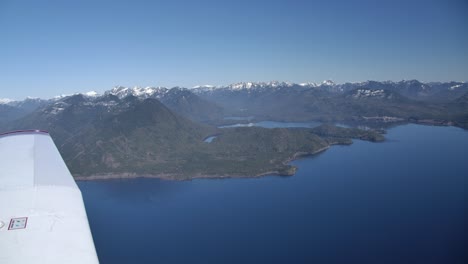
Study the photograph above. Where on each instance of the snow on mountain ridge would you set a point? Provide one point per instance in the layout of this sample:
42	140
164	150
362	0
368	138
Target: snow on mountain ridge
207	86
362	93
250	85
159	92
308	84
455	87
328	83
146	92
6	101
91	94
262	85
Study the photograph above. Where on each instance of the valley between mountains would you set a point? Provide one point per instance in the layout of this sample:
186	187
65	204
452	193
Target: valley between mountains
160	132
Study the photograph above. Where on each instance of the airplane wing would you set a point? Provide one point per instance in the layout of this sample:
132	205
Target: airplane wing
42	215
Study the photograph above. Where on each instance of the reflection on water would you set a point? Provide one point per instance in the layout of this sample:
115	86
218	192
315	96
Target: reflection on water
209	139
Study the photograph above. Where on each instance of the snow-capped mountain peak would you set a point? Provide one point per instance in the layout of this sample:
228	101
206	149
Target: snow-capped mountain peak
455	87
241	85
328	83
142	92
206	86
91	94
6	101
58	97
308	84
251	85
367	93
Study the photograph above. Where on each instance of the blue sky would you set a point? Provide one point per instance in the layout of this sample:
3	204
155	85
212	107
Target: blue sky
59	47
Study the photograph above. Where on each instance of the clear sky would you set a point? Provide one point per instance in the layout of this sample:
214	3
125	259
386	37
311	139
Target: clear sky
60	47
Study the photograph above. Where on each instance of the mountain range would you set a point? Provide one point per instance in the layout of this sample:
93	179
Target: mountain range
410	100
160	132
111	136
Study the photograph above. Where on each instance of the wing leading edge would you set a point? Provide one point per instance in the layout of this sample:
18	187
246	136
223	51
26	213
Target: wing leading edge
42	215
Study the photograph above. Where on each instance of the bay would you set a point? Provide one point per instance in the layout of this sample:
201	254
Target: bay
400	201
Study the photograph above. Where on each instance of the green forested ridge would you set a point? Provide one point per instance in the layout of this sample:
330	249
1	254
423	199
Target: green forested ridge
144	137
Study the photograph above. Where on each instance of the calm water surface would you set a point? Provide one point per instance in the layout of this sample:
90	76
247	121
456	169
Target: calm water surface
401	201
209	139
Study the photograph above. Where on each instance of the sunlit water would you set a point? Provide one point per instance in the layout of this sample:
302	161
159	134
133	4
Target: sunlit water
401	201
273	124
209	139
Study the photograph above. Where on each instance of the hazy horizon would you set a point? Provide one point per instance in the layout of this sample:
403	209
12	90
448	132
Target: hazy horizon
103	90
52	48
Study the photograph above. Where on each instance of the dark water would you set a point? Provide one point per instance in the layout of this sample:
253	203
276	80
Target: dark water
401	201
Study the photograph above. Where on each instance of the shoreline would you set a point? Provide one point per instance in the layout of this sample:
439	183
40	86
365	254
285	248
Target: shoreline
175	177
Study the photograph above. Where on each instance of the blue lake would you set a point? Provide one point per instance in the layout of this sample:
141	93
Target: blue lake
401	201
209	139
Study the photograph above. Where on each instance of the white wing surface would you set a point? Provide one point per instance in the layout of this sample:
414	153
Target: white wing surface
42	215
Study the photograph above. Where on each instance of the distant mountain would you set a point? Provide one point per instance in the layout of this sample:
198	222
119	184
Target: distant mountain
258	85
382	94
148	139
9	113
416	90
179	100
188	104
413	89
158	131
458	111
326	101
28	105
140	92
463	100
446	92
12	110
110	136
69	116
